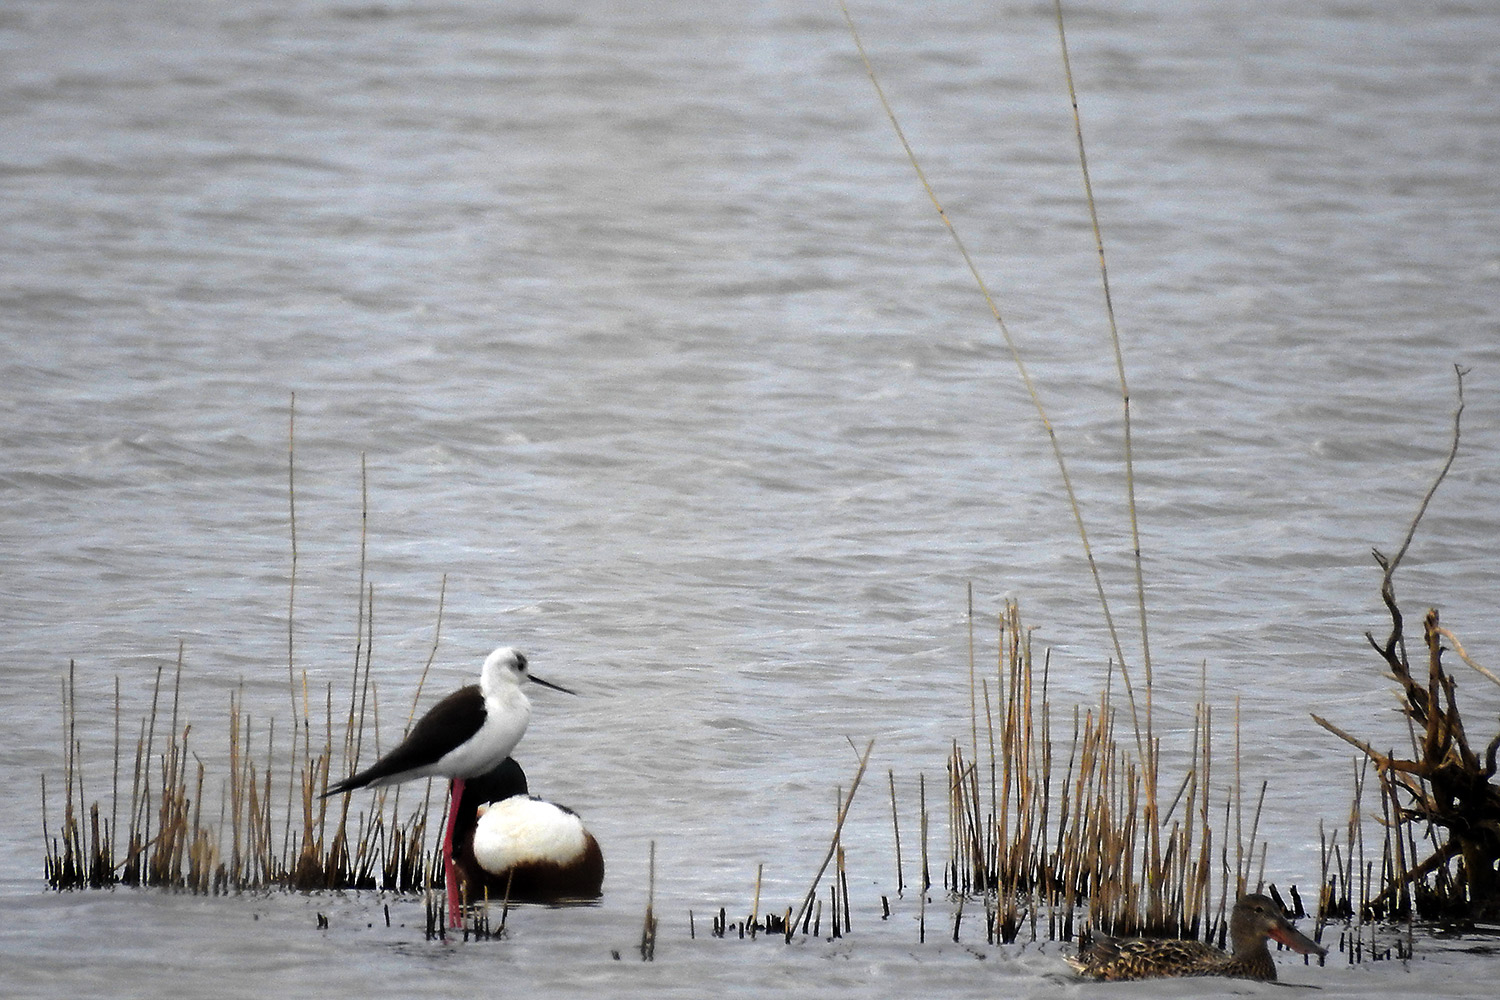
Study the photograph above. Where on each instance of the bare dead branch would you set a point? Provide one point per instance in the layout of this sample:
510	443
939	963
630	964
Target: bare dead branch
1462	655
1442	474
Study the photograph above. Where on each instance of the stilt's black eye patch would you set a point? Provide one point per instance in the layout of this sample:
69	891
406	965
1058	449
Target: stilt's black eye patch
521	662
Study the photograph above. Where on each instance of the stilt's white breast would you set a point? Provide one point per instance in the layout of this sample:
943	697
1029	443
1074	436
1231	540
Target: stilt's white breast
524	830
506	716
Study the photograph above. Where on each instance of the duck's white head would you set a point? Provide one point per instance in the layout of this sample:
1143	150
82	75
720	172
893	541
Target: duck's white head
507	666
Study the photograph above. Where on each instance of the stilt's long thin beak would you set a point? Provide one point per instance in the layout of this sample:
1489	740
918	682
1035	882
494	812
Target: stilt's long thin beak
548	684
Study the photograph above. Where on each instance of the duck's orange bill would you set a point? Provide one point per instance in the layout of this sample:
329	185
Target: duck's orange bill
1297	941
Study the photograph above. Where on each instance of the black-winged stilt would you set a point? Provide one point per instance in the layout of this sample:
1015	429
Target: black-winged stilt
467	734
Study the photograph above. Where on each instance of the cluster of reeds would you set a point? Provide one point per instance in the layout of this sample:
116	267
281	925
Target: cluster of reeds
1050	837
269	825
163	821
1073	831
1352	879
262	823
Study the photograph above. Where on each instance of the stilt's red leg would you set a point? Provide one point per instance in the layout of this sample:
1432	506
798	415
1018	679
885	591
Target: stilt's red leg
450	871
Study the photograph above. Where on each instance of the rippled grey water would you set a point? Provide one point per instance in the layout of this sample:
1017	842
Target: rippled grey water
660	366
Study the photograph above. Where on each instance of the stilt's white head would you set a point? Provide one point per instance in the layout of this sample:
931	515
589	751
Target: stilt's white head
507	666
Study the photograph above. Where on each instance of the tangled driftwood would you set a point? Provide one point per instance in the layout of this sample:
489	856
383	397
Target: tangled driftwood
1444	788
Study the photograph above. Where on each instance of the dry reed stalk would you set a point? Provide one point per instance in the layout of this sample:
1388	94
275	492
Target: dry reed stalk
1357	843
760	870
895	831
648	926
973	687
926	884
843	814
843	890
114	795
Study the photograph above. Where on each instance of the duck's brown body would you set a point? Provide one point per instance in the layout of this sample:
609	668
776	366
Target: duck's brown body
1255	919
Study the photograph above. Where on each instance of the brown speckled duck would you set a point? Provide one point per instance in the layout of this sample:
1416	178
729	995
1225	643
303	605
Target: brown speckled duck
1255	919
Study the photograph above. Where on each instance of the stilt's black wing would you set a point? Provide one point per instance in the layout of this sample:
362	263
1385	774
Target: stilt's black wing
445	726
